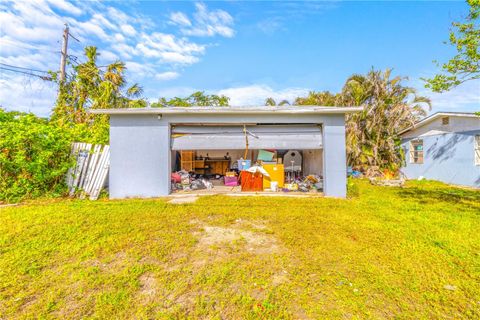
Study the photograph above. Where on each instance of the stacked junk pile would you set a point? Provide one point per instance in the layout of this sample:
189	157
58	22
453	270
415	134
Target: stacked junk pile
272	171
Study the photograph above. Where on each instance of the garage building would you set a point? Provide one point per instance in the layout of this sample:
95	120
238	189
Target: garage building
146	143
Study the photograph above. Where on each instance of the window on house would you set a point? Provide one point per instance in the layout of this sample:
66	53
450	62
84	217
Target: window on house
477	149
416	151
445	121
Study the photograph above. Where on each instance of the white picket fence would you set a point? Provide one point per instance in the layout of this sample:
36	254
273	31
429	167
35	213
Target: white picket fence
91	170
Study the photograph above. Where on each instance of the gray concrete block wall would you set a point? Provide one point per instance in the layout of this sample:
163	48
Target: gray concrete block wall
140	162
334	157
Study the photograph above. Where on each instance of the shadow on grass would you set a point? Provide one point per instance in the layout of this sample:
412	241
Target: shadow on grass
430	194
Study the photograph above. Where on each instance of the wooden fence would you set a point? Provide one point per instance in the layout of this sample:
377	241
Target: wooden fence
89	175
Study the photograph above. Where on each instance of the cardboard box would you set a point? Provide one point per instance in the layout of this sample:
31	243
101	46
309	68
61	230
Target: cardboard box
277	174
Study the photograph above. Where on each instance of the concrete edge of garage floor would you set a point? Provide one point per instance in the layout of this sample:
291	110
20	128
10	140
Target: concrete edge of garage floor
245	194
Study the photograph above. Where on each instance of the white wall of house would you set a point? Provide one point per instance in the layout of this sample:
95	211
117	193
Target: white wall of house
448	151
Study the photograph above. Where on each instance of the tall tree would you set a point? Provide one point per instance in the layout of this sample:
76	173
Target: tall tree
198	98
90	86
465	65
389	107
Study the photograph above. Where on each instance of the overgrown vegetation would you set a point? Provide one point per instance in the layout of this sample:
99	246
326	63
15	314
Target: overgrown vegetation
34	156
395	253
89	86
389	106
373	138
198	98
34	152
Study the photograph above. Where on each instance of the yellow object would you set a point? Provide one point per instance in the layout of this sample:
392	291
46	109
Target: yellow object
291	186
277	174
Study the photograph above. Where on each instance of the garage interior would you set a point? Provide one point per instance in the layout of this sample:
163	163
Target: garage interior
274	158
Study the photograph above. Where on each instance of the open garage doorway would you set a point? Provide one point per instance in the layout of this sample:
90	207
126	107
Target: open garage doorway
274	158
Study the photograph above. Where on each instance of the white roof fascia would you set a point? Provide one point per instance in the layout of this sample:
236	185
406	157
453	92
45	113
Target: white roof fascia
231	110
437	115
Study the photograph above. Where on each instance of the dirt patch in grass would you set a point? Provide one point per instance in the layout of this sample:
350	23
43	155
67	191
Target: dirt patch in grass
280	278
257	224
27	303
255	242
148	285
217	235
112	263
183	200
148	260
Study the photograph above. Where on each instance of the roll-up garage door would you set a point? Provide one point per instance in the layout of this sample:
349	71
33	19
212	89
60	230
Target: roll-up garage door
198	137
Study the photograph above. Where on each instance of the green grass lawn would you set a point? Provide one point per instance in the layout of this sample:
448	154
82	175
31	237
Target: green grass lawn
404	253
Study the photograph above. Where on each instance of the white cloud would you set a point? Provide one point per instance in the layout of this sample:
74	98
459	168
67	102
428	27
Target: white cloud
180	19
35	60
124	50
465	97
168	75
107	56
65	6
140	69
176	57
241	96
205	23
128	30
117	15
11	48
91	27
258	93
102	21
21	22
169	49
119	37
31	35
270	25
169	92
31	95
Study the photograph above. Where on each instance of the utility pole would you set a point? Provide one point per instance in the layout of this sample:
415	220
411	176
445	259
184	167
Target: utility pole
63	61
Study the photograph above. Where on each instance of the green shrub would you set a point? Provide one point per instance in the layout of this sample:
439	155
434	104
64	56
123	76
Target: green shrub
34	157
353	190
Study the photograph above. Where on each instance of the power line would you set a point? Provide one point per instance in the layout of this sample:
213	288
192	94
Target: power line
71	35
47	78
29	69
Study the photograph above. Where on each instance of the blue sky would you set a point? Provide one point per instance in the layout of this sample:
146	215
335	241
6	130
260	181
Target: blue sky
246	50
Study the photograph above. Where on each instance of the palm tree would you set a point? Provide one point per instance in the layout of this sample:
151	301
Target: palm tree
389	107
92	87
271	102
321	98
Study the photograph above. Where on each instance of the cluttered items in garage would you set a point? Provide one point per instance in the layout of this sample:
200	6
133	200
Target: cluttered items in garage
262	170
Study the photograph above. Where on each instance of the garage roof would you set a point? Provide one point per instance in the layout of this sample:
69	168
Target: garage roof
232	110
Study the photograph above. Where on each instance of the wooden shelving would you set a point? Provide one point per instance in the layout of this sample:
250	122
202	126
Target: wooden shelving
187	160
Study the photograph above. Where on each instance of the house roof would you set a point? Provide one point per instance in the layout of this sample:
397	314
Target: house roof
231	110
437	115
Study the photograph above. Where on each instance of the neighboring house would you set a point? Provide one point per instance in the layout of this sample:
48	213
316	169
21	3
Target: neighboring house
143	141
444	146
